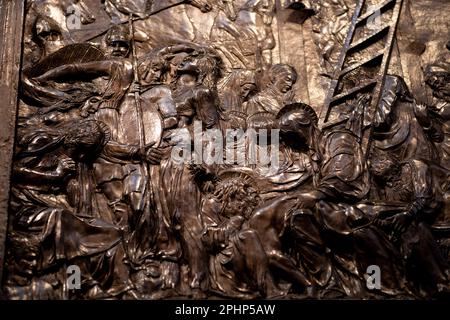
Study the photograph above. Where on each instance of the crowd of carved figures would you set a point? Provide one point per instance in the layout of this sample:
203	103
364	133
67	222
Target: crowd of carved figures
94	182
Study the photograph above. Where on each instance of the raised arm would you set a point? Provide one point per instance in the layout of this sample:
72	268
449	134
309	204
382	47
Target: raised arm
65	167
93	69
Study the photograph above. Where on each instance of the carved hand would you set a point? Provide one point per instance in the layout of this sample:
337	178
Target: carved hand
65	166
135	87
397	223
154	155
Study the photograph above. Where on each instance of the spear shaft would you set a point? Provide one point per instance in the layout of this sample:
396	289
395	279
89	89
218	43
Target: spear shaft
137	100
141	131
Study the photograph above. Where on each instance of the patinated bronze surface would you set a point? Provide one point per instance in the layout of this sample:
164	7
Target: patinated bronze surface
225	149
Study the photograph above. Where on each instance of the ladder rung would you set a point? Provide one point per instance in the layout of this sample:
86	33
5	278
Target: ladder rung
354	90
360	64
369	37
374	10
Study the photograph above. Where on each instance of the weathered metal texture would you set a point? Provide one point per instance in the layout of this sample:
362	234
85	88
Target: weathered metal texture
123	166
11	26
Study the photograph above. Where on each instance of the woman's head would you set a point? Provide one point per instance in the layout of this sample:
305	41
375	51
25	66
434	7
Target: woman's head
282	77
437	77
152	68
205	64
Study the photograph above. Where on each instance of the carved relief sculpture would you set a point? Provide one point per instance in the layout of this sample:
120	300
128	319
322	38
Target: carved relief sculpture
177	149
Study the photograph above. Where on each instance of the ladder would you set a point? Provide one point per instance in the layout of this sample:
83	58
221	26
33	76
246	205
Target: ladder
362	64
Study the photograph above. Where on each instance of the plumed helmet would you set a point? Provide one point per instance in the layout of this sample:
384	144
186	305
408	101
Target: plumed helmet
118	33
